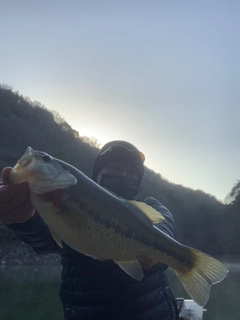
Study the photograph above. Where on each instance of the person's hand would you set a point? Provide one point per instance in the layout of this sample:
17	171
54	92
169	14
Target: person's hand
15	204
146	262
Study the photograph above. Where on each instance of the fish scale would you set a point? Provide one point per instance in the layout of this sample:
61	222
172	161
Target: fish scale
86	236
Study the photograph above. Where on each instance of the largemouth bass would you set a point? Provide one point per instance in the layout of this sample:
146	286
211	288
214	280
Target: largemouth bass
103	226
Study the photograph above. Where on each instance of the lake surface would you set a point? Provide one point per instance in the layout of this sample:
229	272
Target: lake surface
29	293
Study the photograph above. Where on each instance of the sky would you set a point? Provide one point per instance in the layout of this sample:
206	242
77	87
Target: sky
163	75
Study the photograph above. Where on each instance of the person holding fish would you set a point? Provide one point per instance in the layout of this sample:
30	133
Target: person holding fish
114	249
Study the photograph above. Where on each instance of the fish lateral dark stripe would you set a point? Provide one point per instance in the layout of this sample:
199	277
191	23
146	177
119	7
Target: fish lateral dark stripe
130	233
91	212
108	223
163	249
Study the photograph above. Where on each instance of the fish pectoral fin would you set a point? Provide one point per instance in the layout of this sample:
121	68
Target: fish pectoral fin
56	237
132	268
150	212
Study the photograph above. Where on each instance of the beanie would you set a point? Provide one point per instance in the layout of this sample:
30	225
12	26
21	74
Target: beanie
104	157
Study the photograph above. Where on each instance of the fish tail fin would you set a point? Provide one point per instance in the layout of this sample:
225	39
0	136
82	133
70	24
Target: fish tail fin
205	272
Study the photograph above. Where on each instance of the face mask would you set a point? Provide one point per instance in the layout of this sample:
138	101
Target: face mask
123	186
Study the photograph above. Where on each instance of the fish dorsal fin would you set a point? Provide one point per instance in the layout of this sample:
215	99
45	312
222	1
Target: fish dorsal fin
150	212
56	237
132	268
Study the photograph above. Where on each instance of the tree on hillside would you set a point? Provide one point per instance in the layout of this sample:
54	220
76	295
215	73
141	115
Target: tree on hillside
233	194
235	190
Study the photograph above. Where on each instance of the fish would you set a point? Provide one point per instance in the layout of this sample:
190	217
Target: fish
97	223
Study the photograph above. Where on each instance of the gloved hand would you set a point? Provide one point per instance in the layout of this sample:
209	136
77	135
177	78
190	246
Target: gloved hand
15	204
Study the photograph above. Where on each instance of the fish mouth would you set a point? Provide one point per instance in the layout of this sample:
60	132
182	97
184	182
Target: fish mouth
27	158
42	172
21	172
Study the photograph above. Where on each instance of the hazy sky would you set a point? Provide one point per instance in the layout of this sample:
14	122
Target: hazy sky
164	75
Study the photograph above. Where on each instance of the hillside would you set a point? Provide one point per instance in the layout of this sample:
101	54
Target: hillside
201	220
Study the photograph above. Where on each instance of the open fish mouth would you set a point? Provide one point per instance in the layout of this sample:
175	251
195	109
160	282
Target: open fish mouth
27	158
41	171
22	172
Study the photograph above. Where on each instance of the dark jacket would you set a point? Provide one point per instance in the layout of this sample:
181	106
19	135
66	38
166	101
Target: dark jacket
93	289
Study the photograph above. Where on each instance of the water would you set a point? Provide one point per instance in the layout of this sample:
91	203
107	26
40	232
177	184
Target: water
29	293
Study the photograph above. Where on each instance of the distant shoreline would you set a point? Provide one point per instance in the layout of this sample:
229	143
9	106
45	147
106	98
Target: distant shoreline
16	253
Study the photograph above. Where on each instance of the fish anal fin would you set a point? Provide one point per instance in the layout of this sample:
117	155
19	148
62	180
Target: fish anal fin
148	211
132	268
56	237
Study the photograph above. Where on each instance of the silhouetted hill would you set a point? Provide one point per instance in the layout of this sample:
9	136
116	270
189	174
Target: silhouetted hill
201	220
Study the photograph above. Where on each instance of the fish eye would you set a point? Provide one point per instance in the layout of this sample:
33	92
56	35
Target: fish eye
46	158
